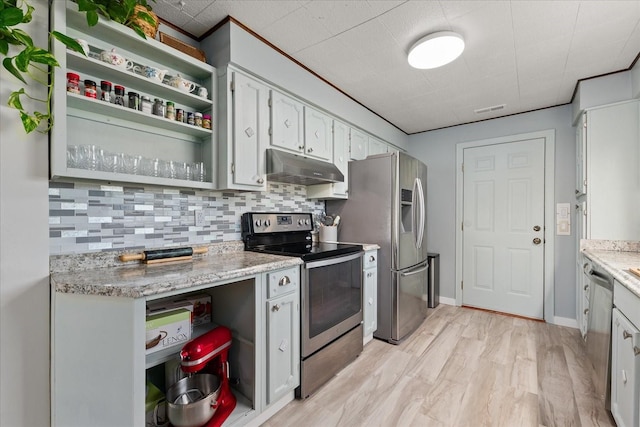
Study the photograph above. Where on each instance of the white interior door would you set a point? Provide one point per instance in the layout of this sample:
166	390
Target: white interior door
503	227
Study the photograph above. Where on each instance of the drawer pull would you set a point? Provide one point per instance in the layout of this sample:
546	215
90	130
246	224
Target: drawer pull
276	307
372	258
586	310
624	376
626	334
284	281
586	287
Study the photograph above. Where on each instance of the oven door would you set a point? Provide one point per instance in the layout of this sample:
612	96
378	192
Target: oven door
331	300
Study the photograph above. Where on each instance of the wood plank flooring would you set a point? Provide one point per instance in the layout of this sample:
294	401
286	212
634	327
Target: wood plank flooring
462	367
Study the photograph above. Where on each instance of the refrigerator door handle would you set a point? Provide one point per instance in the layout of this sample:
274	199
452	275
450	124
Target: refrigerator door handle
421	208
414	212
412	272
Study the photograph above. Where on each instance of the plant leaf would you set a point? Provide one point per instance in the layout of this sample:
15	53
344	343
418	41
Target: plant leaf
10	16
138	30
68	42
4	47
29	15
22	60
30	123
22	37
14	99
92	18
8	64
146	18
43	56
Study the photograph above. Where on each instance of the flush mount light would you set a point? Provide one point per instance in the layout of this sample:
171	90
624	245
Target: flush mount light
436	50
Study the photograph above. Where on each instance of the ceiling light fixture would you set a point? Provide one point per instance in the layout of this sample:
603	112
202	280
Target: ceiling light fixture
436	50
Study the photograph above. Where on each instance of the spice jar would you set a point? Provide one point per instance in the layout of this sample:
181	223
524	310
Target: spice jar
180	115
171	111
197	119
105	91
190	118
206	121
158	107
119	95
73	83
90	89
146	106
134	100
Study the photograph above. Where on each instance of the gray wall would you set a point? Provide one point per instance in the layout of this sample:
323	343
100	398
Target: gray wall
438	150
24	257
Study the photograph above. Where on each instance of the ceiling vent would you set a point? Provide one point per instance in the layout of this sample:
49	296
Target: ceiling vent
489	109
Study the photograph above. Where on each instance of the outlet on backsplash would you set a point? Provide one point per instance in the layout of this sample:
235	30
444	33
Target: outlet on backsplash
198	216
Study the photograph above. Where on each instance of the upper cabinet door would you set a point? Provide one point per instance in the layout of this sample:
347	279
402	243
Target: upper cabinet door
250	131
317	134
359	142
581	156
286	123
341	156
376	147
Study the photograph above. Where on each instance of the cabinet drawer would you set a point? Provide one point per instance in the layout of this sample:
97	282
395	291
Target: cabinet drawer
283	281
627	302
370	259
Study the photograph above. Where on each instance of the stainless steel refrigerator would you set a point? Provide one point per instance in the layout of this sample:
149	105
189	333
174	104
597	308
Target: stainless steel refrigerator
387	206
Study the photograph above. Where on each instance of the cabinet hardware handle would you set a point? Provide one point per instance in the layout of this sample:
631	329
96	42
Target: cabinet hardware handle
624	376
260	180
586	287
586	310
369	274
284	281
626	334
372	258
287	123
310	150
536	228
537	241
636	350
276	307
300	147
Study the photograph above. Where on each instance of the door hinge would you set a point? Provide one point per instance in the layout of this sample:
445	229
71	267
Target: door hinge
462	226
232	85
461	284
269	102
233	168
462	167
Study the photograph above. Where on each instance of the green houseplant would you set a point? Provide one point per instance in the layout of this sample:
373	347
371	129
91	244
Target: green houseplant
30	63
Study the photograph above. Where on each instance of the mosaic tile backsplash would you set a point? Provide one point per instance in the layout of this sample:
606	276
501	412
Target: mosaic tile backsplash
86	217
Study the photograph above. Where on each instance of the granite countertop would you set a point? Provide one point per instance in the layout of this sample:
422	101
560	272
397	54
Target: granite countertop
142	280
616	258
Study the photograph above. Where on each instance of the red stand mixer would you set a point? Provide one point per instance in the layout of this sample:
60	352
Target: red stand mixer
209	354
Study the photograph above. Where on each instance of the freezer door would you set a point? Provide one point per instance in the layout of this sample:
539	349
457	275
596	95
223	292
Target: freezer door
410	219
409	300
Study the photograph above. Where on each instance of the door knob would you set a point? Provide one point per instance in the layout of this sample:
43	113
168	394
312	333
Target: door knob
536	228
536	241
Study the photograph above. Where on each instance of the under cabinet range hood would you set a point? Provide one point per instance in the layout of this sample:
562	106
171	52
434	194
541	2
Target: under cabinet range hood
296	169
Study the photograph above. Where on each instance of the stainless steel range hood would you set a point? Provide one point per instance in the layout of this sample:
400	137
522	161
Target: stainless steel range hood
296	169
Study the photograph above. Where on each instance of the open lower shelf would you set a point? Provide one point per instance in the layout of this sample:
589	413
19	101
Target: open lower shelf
167	354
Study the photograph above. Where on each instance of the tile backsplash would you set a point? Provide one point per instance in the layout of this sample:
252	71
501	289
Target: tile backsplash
88	217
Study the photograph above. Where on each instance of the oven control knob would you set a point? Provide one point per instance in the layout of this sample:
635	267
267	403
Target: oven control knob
307	222
258	223
300	222
267	223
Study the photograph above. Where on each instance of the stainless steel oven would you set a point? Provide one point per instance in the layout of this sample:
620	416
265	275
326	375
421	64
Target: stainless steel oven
331	292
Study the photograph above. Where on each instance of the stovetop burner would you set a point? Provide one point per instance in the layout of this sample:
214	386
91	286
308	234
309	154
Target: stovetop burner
288	234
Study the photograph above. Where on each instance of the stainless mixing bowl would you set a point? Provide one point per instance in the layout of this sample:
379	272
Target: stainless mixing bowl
192	401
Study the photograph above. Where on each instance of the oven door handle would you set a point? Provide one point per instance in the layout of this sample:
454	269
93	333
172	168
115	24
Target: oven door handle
332	261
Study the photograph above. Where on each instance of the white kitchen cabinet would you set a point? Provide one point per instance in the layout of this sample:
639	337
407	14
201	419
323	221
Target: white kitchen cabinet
287	122
612	174
370	295
244	132
336	190
318	136
625	358
99	361
582	293
581	159
121	132
358	144
375	146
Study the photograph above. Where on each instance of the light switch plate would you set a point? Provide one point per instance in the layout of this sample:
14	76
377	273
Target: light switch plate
563	219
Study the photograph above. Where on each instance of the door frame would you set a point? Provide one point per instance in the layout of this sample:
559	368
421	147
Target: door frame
549	210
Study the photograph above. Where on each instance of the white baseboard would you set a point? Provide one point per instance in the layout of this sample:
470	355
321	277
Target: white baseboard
565	321
447	301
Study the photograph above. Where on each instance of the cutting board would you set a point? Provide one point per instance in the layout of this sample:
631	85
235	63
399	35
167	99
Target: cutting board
635	271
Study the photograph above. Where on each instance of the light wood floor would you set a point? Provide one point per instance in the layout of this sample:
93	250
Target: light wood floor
462	367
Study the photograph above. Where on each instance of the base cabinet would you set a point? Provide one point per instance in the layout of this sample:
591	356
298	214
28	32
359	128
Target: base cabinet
625	358
99	361
370	294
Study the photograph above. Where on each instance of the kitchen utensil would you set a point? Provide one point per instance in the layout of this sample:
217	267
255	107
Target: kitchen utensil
336	221
202	91
208	353
192	401
164	255
327	220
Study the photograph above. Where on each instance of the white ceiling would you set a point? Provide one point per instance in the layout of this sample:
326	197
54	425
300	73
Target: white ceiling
525	54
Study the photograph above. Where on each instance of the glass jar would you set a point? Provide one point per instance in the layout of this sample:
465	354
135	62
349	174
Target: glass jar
206	121
105	91
90	89
119	100
171	111
146	106
180	115
134	100
73	83
158	107
197	119
190	119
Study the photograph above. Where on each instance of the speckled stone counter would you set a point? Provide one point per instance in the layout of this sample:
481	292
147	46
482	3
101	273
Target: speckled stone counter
104	274
616	257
